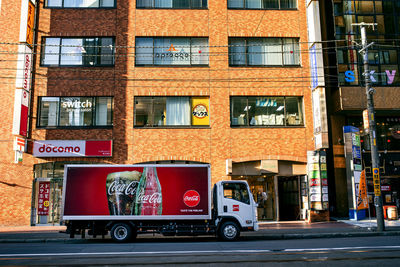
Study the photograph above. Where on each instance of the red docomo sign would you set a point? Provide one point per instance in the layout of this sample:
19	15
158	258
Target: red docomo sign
59	149
191	198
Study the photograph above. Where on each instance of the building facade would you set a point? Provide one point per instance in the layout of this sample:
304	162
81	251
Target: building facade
346	96
127	82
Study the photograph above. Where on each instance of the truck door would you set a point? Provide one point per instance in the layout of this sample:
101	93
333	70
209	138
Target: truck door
238	202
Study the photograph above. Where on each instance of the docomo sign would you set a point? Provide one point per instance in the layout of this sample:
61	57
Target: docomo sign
191	198
24	75
72	148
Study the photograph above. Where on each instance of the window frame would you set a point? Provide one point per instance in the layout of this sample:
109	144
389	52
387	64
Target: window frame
285	125
282	44
154	126
173	65
93	126
62	6
262	8
43	54
182	8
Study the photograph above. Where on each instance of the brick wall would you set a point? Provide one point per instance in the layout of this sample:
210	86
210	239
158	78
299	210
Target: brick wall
211	145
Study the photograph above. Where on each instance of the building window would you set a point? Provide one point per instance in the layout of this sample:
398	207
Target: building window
266	111
262	4
75	111
79	3
171	51
264	52
90	52
171	111
184	4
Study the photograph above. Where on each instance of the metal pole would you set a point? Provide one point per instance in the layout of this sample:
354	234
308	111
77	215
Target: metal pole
372	128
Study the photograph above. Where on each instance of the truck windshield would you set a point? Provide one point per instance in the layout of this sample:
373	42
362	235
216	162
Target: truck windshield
236	191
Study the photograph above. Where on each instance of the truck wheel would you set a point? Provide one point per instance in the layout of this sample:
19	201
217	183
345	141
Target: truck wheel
121	232
229	231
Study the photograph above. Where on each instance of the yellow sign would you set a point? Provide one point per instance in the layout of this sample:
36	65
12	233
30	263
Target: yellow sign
30	23
46	203
200	111
377	182
362	198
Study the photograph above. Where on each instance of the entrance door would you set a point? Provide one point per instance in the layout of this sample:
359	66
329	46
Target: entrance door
289	204
47	201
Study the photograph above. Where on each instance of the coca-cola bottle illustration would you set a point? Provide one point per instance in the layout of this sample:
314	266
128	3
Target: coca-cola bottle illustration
148	197
121	190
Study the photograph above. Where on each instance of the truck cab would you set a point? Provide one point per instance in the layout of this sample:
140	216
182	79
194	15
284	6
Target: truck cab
234	209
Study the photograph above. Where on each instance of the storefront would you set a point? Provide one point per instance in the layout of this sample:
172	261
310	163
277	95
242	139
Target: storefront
47	192
276	187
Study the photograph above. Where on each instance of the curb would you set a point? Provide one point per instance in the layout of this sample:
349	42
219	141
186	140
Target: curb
244	236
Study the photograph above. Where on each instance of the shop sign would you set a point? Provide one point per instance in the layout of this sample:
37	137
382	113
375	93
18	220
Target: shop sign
386	188
361	193
200	111
21	108
24	64
377	182
20	144
27	21
72	148
366	120
44	198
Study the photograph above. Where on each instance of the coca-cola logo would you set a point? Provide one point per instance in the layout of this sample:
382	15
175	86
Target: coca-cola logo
191	198
122	188
154	198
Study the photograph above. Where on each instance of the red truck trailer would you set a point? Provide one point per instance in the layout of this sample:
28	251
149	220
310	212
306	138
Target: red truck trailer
127	200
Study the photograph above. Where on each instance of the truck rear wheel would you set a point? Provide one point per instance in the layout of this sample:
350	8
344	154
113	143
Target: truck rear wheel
229	231
121	232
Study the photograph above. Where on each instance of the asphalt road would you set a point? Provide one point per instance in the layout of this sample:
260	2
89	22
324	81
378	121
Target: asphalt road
365	251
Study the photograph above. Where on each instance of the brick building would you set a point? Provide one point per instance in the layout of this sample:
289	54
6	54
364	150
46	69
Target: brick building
223	82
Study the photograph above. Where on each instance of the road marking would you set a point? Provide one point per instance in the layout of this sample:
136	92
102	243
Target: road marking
343	248
144	253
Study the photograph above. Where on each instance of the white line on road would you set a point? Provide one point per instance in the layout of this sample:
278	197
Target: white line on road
144	253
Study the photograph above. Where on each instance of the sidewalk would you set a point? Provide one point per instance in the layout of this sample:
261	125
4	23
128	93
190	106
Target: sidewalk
268	231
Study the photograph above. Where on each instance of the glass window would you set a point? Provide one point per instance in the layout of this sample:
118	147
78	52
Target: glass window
264	51
51	54
263	4
239	110
78	51
170	111
75	111
80	3
171	51
237	191
171	4
294	111
49	111
266	111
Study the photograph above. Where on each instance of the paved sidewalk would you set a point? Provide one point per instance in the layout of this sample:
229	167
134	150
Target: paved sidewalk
268	231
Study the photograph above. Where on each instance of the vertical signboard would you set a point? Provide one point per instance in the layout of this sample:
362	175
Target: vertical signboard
314	180
362	196
324	179
27	22
44	198
354	171
21	109
24	66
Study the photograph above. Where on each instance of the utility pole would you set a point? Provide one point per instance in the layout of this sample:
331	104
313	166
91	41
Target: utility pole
372	126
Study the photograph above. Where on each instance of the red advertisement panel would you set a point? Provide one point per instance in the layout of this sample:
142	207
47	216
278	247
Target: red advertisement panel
102	148
44	198
136	190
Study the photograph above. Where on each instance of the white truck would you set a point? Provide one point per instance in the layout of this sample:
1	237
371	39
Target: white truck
127	200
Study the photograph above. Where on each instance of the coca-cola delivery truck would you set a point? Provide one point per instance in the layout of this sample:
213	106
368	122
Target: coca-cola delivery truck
127	200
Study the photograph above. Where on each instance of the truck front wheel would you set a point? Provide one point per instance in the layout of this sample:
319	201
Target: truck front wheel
229	231
121	232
